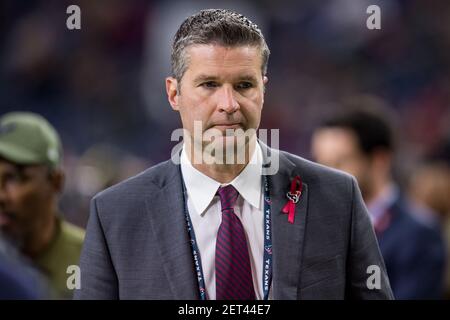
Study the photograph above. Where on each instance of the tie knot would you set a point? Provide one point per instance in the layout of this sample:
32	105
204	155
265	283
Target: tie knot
228	196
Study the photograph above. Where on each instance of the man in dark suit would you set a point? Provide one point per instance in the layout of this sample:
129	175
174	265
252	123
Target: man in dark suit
360	142
272	226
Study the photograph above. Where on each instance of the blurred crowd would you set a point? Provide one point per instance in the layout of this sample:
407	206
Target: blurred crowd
102	88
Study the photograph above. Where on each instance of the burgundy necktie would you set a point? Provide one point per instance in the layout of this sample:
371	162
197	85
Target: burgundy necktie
233	270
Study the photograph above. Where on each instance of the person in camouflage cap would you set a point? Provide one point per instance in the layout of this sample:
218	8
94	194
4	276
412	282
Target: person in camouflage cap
31	178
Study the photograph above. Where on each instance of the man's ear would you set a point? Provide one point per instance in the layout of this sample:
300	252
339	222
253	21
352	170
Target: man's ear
172	92
265	80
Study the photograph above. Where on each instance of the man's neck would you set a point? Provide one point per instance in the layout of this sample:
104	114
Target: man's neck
224	173
39	241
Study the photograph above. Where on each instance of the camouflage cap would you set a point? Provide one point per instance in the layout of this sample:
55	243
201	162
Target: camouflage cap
27	138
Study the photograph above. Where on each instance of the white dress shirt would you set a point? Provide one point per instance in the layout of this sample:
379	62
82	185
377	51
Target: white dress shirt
206	215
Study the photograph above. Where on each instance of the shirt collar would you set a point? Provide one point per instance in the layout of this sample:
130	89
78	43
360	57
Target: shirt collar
202	189
378	207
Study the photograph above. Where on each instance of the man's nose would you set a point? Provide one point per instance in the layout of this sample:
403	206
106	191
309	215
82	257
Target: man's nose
227	102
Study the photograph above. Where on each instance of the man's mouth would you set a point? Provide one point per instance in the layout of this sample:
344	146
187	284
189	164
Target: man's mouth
225	126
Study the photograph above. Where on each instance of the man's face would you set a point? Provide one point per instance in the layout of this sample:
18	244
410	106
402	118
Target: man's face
222	87
338	148
26	195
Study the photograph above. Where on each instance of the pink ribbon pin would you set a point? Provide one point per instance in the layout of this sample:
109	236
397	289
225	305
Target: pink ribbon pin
293	197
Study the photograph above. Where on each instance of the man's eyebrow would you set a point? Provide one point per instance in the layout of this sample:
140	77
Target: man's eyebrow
247	77
205	77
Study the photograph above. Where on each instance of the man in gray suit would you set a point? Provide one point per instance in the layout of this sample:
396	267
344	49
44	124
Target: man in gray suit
206	228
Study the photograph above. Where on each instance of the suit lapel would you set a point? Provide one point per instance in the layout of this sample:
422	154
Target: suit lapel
287	238
167	218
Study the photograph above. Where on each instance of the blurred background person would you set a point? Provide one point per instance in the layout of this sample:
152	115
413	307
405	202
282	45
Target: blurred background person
31	180
360	142
429	187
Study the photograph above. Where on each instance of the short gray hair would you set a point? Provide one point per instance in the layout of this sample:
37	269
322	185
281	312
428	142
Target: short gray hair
216	26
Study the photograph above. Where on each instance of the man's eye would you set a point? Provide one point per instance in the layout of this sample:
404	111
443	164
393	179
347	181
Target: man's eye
12	179
244	85
210	84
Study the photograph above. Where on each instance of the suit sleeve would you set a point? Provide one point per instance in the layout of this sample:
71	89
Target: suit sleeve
366	273
98	277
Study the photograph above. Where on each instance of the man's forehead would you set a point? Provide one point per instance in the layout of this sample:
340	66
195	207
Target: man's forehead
217	56
336	140
342	133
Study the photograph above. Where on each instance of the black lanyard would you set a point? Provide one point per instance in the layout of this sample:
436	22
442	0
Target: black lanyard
267	260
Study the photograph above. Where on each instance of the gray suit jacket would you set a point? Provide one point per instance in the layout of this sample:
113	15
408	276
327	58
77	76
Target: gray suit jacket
137	245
